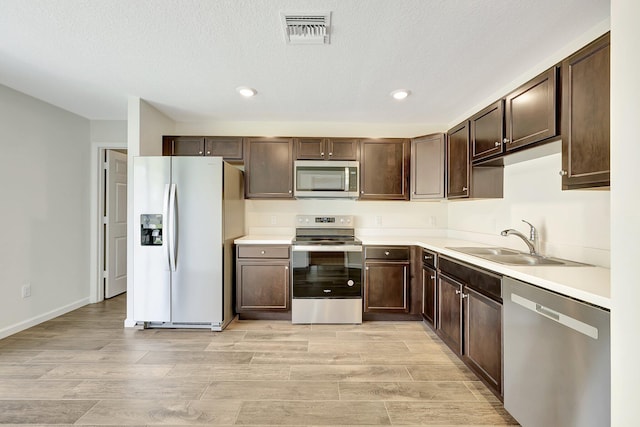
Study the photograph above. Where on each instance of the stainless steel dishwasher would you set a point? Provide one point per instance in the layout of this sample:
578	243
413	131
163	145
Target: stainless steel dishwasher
556	358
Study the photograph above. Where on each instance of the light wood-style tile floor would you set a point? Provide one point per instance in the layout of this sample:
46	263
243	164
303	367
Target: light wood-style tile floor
84	368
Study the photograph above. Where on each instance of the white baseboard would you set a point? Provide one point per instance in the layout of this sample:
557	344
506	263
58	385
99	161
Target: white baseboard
26	324
128	323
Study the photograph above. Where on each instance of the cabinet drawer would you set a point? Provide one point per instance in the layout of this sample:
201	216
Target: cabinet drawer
429	258
387	252
250	251
483	281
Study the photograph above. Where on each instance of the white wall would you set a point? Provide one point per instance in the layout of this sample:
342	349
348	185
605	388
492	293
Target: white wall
571	224
44	170
381	218
145	127
108	130
625	205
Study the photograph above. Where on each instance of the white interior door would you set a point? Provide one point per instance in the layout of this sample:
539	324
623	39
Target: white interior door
115	224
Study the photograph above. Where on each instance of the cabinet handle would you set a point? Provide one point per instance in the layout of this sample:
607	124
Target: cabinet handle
506	141
563	173
464	188
361	191
199	152
432	277
458	291
261	252
322	154
208	153
286	268
465	296
386	253
289	191
428	257
331	154
497	144
366	268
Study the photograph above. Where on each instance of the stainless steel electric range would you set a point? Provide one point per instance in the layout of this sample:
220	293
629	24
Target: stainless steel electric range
327	271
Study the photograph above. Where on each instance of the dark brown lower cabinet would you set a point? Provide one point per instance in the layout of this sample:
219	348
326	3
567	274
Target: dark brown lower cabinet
483	336
262	279
450	312
386	286
470	318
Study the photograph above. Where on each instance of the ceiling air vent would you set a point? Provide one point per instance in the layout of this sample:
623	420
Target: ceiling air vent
307	28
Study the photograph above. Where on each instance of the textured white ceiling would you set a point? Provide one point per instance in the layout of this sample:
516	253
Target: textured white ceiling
186	57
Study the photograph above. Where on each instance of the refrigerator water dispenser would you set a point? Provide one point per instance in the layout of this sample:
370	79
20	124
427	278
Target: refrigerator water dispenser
151	229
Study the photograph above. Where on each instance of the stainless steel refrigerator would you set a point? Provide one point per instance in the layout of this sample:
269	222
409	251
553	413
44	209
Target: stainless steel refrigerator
188	211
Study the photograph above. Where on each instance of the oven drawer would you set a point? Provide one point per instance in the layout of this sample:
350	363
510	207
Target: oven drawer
395	253
255	251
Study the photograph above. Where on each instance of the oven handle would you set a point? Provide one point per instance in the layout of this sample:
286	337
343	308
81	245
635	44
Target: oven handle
327	248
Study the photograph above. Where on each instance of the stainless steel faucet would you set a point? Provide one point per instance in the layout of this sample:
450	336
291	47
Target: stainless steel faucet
531	241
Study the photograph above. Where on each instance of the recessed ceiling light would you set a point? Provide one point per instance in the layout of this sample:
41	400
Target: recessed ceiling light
247	92
400	94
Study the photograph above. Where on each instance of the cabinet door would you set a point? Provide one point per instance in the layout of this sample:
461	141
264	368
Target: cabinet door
429	287
262	285
384	169
310	148
458	169
487	132
428	167
386	287
483	337
585	116
183	146
343	149
269	168
531	111
227	147
449	326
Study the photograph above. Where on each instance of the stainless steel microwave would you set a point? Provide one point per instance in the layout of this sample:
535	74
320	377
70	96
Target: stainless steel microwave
330	179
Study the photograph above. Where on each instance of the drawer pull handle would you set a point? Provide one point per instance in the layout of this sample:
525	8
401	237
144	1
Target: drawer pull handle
428	257
262	252
326	291
386	253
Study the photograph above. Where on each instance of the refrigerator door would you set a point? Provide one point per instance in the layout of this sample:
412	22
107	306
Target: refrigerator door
151	276
196	290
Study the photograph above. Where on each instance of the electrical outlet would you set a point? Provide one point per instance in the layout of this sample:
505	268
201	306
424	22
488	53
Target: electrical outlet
273	220
378	220
26	290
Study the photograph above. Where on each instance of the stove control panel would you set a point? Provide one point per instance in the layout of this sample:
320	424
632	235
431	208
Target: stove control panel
324	221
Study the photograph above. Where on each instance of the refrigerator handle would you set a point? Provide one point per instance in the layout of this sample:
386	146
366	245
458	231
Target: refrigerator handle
165	216
173	224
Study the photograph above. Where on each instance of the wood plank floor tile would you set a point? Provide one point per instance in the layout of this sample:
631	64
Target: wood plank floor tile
290	359
157	344
53	344
36	389
25	370
451	413
349	373
259	346
290	335
231	372
273	390
107	371
166	388
432	358
386	336
420	391
17	356
262	325
43	411
161	412
197	357
373	347
78	356
441	372
312	413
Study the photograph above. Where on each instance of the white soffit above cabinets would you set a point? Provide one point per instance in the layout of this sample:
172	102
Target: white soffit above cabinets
187	58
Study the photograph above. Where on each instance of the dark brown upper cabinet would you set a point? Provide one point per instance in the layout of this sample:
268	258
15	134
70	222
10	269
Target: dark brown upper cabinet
487	132
327	149
428	167
585	116
269	168
228	147
531	111
183	146
384	169
458	167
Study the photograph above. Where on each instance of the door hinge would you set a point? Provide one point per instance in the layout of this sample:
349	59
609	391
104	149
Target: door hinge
105	220
105	274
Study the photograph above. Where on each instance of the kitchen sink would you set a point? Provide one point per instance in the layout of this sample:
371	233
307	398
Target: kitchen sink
511	257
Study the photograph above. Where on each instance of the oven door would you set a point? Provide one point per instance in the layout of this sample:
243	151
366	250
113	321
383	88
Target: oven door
321	271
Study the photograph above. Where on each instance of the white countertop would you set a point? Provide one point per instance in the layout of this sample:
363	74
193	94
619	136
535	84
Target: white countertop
586	283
